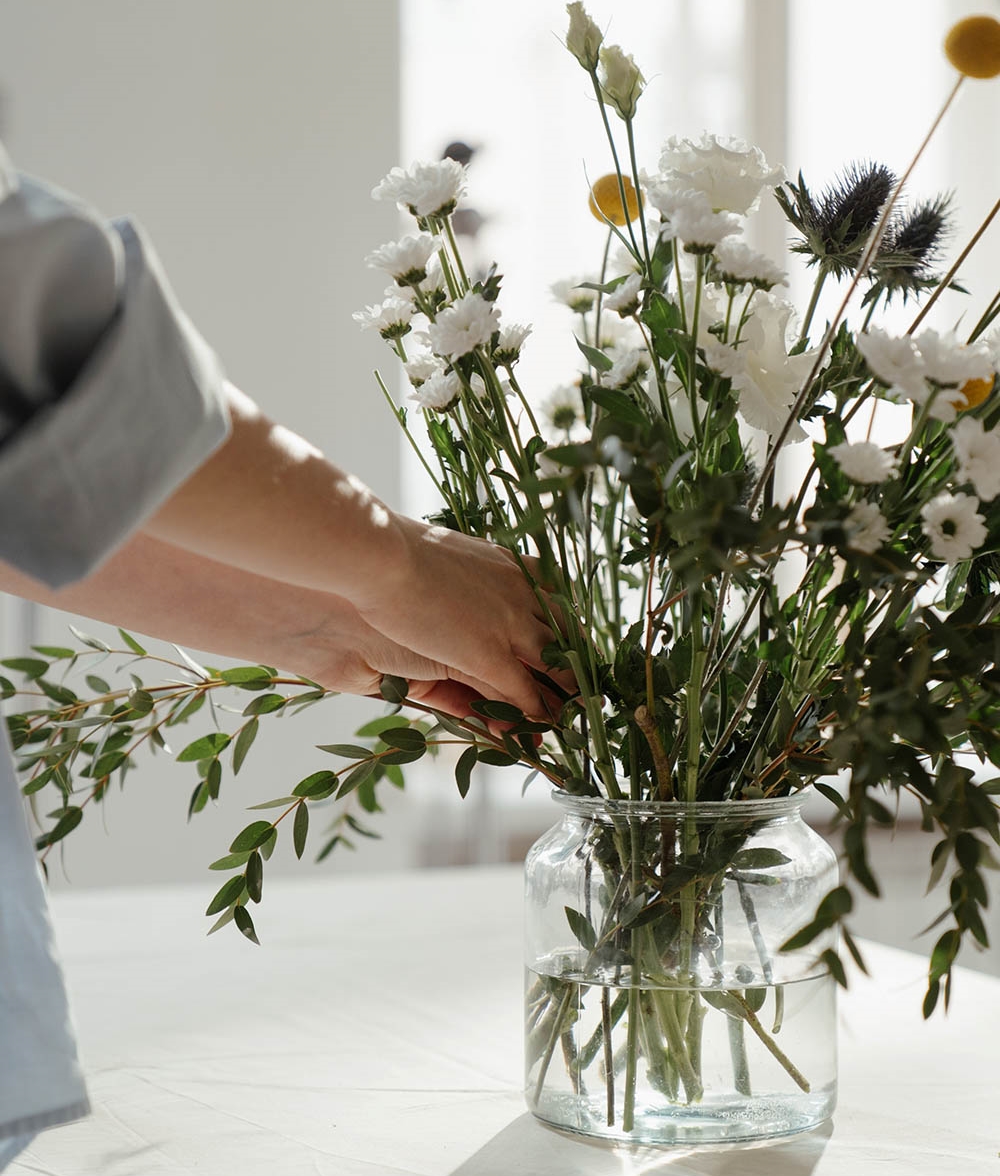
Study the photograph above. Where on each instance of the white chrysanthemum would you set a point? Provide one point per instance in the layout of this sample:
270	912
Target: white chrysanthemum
625	298
508	348
438	392
688	217
560	415
864	461
391	318
402	293
421	367
724	360
992	344
463	326
948	361
621	82
771	378
731	174
479	389
583	39
954	526
626	368
894	362
618	334
572	294
405	260
614	451
978	453
426	189
737	262
866	528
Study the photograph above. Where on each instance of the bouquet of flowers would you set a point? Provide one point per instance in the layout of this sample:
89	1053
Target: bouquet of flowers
756	587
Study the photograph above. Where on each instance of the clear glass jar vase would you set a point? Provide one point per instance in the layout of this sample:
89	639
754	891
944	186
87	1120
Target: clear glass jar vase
659	1006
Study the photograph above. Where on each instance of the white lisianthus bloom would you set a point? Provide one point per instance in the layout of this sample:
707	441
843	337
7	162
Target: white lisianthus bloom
626	368
578	298
439	392
625	298
621	82
391	318
894	362
481	392
508	348
560	415
426	189
736	262
688	217
864	461
978	453
731	174
866	528
771	378
405	260
583	38
463	326
954	526
421	367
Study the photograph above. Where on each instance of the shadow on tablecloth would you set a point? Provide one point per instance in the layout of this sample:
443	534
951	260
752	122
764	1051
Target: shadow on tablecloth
529	1148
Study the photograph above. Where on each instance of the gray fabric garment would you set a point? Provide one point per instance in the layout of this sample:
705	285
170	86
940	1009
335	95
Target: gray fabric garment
109	399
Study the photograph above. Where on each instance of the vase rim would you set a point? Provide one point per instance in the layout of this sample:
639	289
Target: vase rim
599	806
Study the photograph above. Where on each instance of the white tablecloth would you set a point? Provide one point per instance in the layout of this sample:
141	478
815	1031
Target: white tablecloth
377	1033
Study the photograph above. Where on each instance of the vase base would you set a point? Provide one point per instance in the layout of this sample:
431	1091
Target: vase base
709	1122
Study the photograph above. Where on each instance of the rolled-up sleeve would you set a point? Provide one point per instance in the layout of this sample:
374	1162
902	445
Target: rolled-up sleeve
109	398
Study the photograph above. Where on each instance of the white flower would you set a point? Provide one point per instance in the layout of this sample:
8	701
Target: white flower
625	298
954	526
508	348
426	189
895	363
420	367
584	38
438	392
770	378
561	414
866	528
627	368
723	359
947	361
621	81
689	217
578	298
737	262
405	260
731	174
614	451
618	334
978	453
391	318
463	326
481	392
864	461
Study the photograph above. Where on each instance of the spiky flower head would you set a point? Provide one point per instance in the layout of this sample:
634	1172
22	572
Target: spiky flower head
911	248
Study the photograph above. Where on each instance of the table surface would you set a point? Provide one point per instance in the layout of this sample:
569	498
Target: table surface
377	1033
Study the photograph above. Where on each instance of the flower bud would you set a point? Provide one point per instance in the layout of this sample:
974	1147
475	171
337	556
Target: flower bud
622	83
584	38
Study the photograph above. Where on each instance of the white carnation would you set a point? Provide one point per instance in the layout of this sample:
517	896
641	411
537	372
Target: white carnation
954	526
426	189
864	461
463	326
978	453
866	528
729	173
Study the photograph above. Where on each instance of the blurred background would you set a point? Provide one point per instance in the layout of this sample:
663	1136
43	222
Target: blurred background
246	136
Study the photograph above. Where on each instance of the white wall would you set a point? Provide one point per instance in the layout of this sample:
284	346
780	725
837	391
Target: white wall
246	136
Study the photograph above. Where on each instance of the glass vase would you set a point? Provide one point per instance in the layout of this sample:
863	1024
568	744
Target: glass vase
660	1008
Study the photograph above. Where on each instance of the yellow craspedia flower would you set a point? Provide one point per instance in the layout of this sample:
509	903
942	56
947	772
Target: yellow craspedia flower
606	200
973	46
974	393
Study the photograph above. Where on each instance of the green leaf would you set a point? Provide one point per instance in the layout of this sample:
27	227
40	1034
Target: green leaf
59	694
405	738
346	750
222	920
92	642
199	798
231	890
725	1002
239	675
499	759
401	757
759	859
31	667
618	406
244	741
141	701
597	359
581	927
131	642
501	711
255	876
7	688
355	778
463	770
300	829
278	802
241	917
264	704
108	763
252	837
98	685
232	861
58	652
191	664
69	820
268	847
835	965
394	689
204	748
187	710
317	786
213	779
